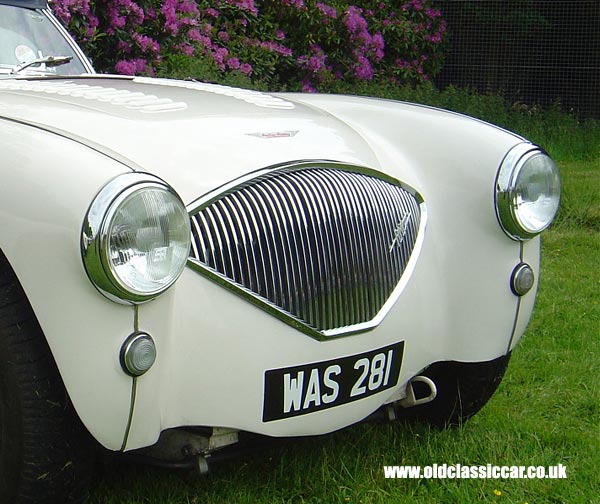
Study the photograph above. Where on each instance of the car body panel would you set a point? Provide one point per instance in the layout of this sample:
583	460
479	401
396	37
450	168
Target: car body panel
43	198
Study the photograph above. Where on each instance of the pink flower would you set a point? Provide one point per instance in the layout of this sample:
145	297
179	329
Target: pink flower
233	63
131	67
246	68
124	67
123	47
177	14
363	69
205	41
307	87
327	10
194	34
245	5
218	55
272	47
313	62
378	44
354	21
415	4
186	49
432	13
145	43
436	38
298	4
403	65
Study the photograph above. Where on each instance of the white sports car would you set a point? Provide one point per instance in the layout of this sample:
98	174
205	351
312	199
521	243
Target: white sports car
182	262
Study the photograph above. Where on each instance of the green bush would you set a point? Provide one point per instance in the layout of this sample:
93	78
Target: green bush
294	43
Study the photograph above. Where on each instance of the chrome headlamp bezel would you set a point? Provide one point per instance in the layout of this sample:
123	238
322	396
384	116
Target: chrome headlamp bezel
95	236
506	193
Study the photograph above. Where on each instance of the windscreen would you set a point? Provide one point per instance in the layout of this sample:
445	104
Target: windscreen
27	34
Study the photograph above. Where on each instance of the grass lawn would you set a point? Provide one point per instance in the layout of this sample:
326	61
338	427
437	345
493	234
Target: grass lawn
546	411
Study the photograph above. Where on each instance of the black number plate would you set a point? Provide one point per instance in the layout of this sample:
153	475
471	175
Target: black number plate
303	389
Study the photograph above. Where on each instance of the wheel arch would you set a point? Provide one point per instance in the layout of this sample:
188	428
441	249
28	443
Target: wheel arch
48	184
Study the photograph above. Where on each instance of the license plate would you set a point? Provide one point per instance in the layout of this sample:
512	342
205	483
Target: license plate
299	390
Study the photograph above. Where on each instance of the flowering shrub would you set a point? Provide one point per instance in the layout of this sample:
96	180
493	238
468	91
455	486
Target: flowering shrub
303	44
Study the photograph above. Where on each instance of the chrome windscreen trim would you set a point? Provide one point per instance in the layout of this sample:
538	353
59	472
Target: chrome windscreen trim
67	36
328	253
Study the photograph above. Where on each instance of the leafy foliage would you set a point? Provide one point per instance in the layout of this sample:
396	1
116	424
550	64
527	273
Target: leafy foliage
292	43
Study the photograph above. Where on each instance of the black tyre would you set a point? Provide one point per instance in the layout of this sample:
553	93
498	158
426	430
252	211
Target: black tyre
462	390
45	452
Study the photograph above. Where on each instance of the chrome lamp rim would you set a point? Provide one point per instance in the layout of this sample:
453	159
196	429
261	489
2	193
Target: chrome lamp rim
95	234
509	172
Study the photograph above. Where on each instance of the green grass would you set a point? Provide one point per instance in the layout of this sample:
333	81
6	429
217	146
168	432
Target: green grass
545	412
580	198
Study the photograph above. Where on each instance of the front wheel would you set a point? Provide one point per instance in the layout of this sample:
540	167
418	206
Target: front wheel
462	390
45	452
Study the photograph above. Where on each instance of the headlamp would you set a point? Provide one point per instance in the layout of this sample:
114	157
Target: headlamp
136	238
527	192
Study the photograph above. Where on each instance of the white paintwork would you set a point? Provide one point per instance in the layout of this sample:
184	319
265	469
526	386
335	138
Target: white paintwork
47	185
213	347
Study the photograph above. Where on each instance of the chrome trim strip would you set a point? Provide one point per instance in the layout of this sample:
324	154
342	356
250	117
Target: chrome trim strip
519	302
290	218
133	396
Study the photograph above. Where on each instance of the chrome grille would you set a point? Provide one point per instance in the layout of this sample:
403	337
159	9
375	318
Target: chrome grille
322	246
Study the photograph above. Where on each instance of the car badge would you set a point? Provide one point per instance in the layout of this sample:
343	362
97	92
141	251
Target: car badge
274	134
400	231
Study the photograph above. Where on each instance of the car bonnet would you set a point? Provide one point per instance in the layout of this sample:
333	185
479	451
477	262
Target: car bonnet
194	135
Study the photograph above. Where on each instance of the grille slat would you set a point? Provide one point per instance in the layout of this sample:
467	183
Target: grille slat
323	246
303	249
331	269
345	312
243	231
371	226
357	236
354	301
311	250
265	286
288	248
271	271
